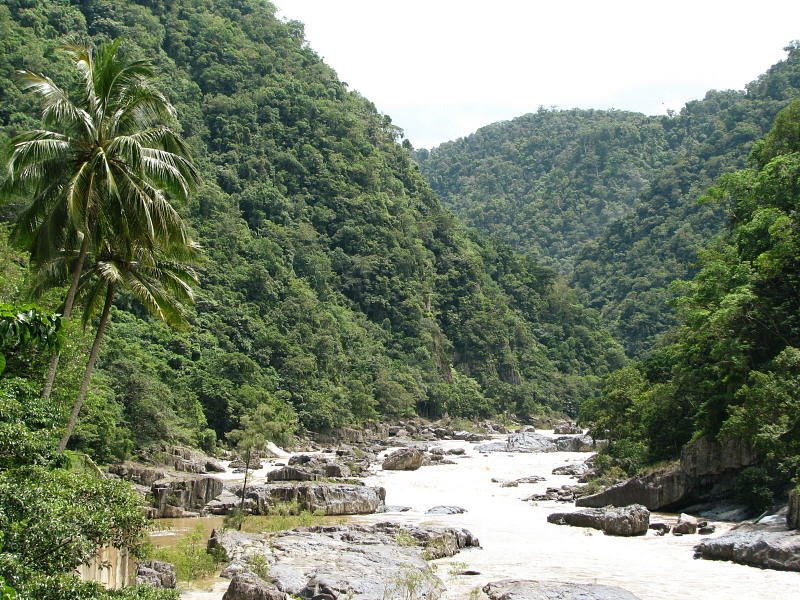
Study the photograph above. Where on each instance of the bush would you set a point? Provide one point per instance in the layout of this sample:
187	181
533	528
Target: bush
752	489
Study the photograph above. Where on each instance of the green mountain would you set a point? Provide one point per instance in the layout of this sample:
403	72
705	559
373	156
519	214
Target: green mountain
335	288
611	198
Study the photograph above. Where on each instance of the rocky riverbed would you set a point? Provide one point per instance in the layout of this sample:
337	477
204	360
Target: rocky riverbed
504	496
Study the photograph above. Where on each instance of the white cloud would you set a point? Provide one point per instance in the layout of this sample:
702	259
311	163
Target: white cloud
442	68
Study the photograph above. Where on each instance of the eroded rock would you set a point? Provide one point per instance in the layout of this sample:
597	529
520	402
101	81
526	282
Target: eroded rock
404	459
625	521
767	547
553	590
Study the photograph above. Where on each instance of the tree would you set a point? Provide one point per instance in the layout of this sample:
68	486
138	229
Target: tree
161	282
267	423
100	169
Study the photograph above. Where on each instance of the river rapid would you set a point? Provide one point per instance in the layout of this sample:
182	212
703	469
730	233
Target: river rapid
518	543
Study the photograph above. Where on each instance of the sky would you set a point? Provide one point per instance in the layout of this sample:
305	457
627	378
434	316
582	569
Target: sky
443	68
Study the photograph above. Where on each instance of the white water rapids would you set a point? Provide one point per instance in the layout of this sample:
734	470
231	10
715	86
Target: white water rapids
518	542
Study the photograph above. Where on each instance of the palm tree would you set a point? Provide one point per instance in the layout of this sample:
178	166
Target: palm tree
100	169
162	283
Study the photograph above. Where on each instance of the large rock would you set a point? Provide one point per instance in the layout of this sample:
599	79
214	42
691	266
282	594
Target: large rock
575	443
357	562
328	498
767	547
173	496
404	459
793	514
707	472
686	524
625	521
529	442
566	428
553	590
249	586
156	574
184	460
137	473
445	510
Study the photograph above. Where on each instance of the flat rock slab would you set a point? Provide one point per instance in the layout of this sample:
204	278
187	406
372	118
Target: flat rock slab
510	589
348	561
329	498
767	547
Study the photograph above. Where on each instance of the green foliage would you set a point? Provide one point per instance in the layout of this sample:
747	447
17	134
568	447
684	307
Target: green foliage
752	489
731	368
609	197
189	556
24	328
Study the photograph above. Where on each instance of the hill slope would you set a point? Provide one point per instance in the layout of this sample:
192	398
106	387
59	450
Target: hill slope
610	197
335	287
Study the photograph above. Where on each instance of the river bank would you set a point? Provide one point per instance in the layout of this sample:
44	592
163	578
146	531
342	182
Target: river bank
518	542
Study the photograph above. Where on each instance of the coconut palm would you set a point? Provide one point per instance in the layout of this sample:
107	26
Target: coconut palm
161	282
101	168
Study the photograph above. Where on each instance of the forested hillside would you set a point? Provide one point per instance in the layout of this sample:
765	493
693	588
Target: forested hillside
333	288
731	367
611	198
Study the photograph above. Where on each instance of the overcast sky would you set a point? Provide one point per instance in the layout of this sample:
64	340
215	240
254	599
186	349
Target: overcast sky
443	68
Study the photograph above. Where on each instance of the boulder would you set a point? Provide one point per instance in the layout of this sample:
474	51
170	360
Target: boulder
156	573
328	498
249	586
529	442
767	547
574	469
137	473
404	459
625	521
553	590
575	443
687	524
290	473
445	510
184	460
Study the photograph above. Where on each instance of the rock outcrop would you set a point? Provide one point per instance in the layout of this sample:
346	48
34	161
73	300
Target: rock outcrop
404	459
768	547
707	471
156	573
625	521
328	498
511	589
385	560
793	513
174	496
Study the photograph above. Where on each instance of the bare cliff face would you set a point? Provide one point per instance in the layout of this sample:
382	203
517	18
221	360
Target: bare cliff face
707	472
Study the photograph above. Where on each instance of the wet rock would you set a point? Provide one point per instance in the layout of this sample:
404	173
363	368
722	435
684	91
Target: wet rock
553	590
625	521
687	524
706	530
392	508
156	573
575	469
445	510
328	498
566	493
492	447
660	528
768	547
404	459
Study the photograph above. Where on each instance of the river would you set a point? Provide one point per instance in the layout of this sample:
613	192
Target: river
517	542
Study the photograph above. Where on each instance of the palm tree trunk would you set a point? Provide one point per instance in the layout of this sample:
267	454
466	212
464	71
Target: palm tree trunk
87	374
68	303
